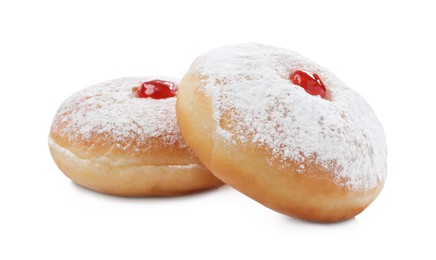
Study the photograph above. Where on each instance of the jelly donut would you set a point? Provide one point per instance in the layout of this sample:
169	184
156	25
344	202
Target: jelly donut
284	131
121	137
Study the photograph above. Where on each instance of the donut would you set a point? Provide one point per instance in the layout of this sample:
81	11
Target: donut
121	137
284	131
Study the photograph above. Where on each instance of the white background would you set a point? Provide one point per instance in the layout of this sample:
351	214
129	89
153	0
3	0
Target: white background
50	49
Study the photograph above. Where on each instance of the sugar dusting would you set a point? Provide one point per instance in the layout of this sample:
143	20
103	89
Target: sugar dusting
110	109
250	82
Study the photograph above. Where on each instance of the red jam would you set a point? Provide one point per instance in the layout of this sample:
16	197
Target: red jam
156	89
310	82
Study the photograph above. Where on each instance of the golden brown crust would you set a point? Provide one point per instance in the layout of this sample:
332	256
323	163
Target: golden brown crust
125	176
312	195
153	152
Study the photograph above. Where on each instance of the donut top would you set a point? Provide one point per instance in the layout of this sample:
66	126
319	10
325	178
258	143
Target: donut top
254	100
112	112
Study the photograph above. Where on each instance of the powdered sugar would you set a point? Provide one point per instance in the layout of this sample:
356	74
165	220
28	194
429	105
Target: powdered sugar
111	110
250	84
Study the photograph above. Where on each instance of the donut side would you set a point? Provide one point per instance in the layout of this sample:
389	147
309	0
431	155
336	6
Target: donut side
127	177
313	195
